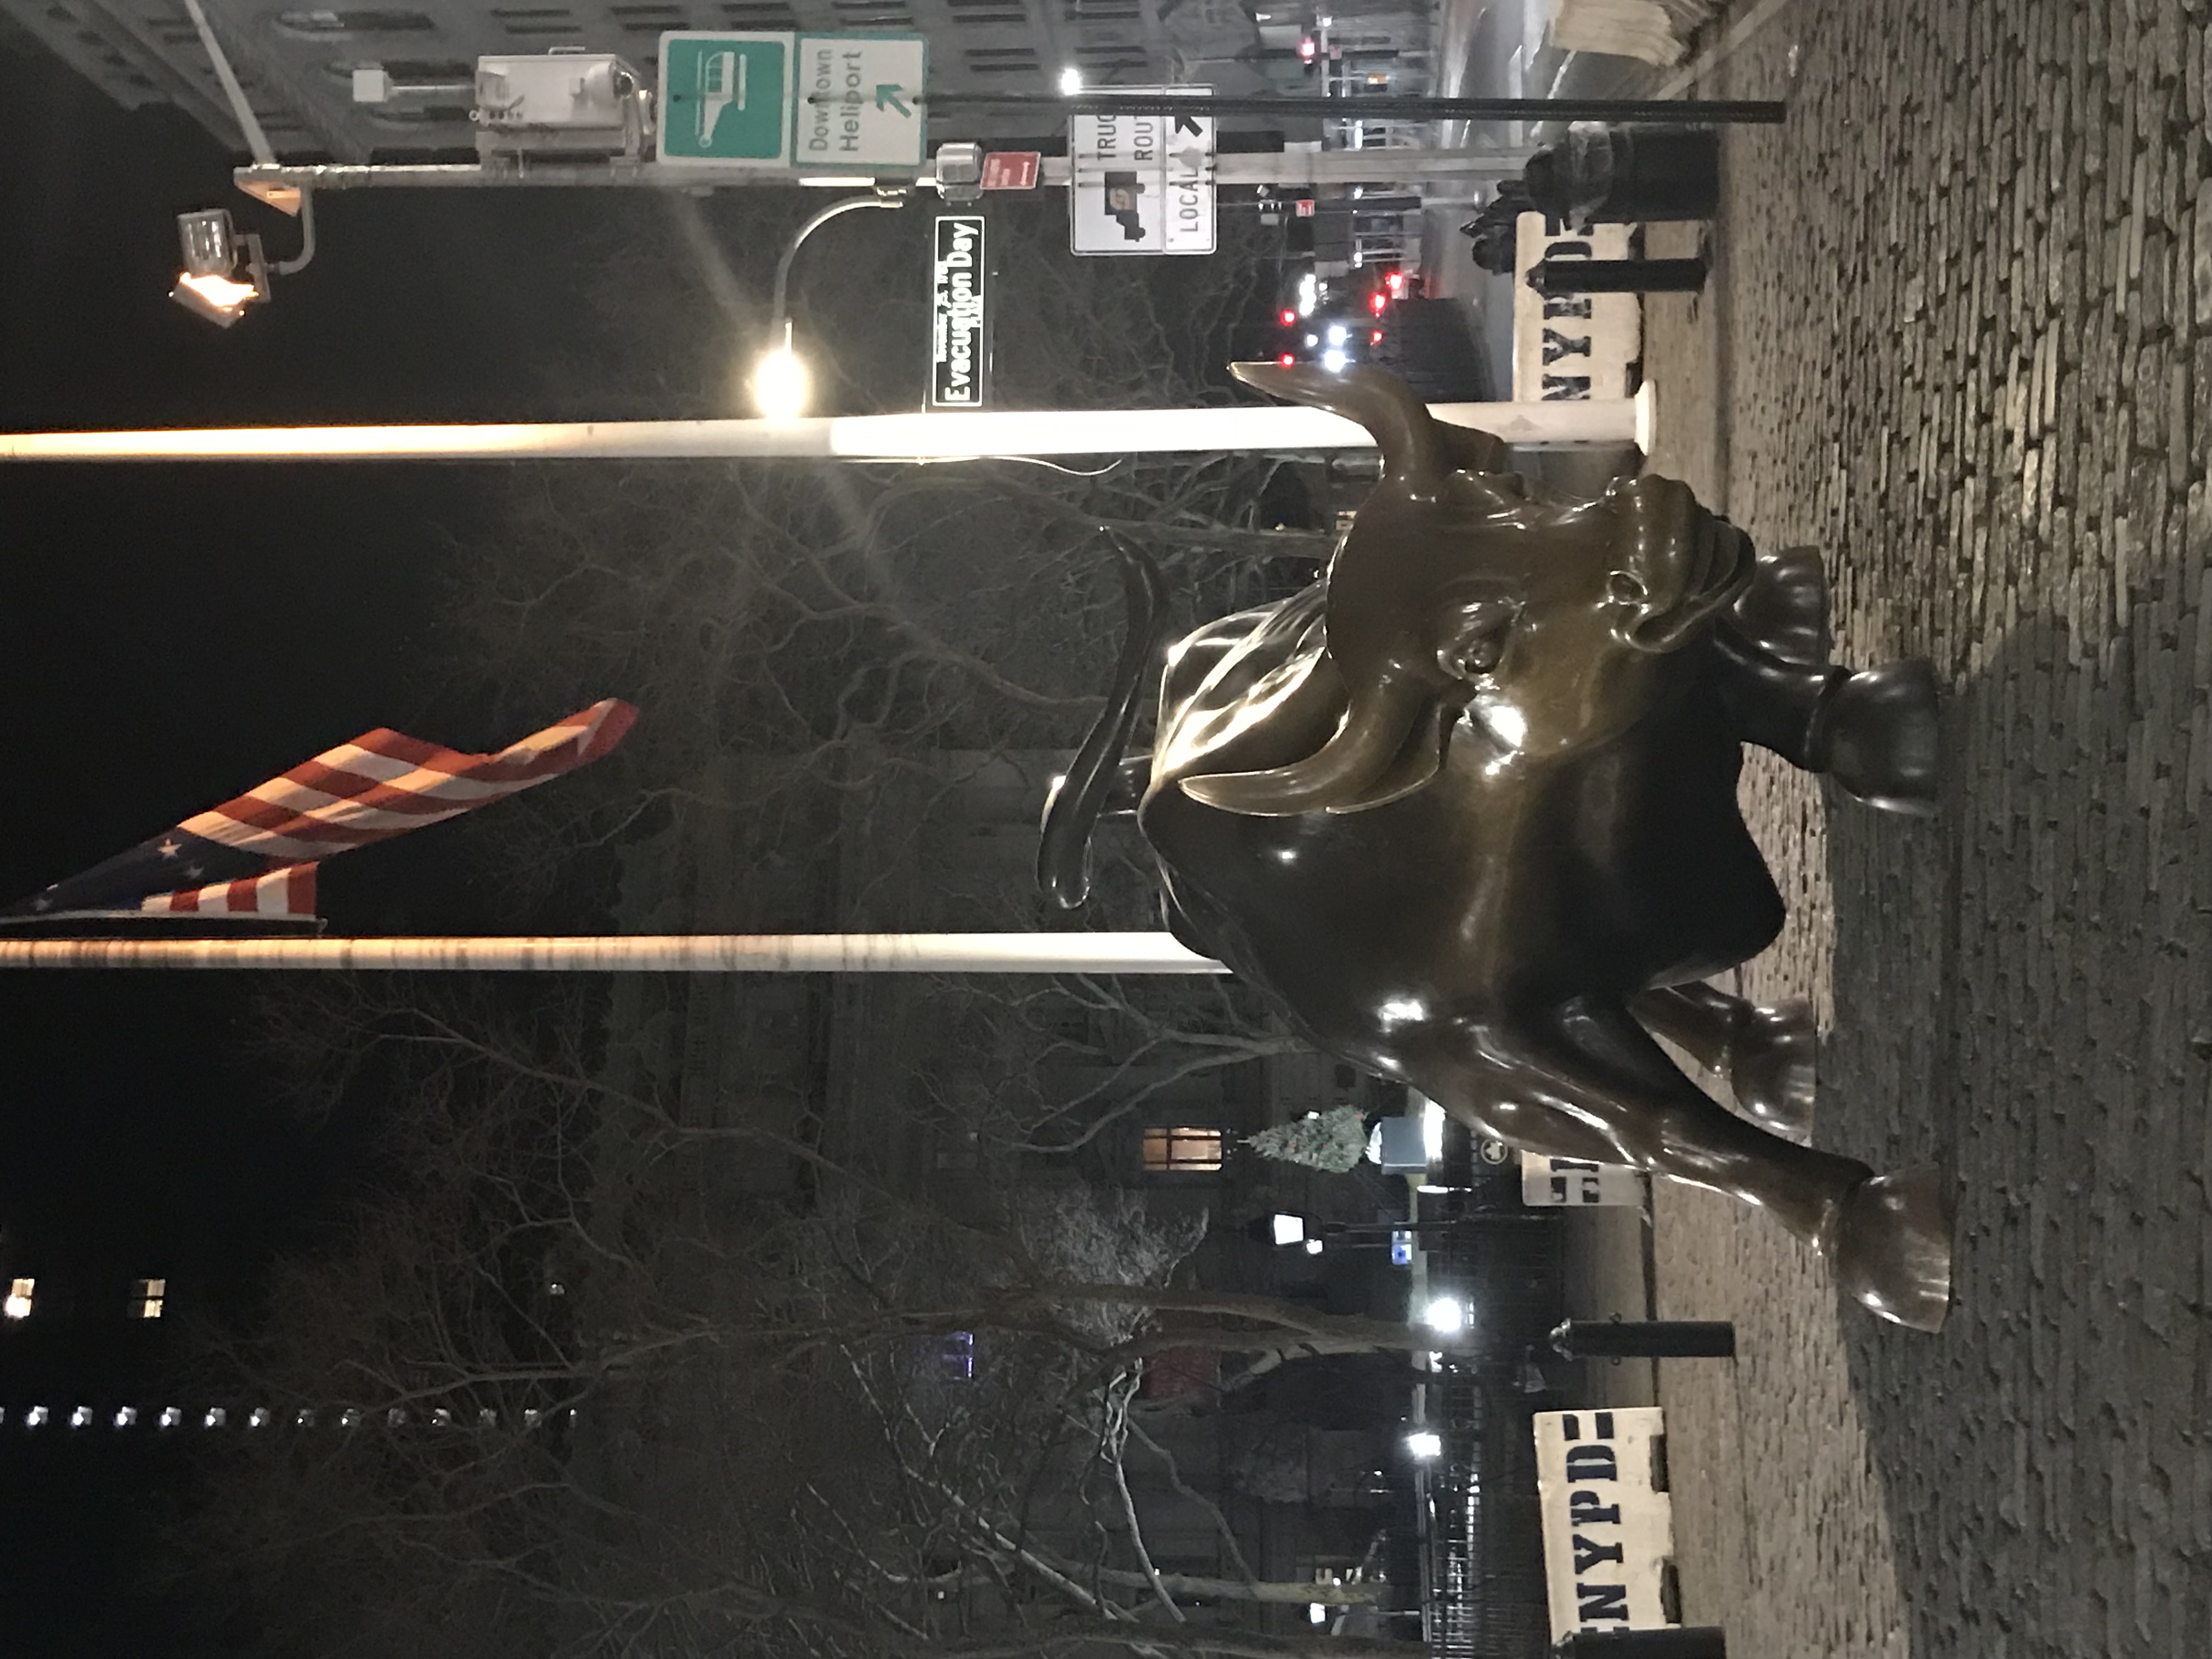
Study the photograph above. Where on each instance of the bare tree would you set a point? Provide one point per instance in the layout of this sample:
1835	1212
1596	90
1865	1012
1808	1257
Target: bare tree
587	1403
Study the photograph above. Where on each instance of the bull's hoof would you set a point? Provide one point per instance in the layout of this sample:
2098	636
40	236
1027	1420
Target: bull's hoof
1771	1069
1875	733
1891	1247
1785	609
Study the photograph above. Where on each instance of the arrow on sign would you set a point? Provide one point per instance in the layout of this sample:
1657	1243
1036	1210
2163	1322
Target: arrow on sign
1187	124
887	97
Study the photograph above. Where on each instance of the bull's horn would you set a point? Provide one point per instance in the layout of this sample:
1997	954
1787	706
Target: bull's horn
1339	776
1402	427
1073	809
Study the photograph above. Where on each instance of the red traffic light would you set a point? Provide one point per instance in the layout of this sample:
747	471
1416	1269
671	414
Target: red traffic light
1306	50
1375	337
1377	301
1395	282
1290	318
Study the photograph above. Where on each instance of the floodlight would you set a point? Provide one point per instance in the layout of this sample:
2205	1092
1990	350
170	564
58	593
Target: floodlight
1071	81
1425	1443
208	284
222	272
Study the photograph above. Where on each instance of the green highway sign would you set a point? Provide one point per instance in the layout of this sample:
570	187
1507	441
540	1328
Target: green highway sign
859	100
726	99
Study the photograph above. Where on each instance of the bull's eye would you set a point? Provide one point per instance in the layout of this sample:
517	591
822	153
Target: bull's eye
1470	658
1622	588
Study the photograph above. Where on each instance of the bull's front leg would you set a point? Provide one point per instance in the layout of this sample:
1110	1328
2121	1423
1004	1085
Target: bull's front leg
1584	1080
1873	730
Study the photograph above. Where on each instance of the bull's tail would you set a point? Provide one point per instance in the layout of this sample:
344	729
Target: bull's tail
1072	811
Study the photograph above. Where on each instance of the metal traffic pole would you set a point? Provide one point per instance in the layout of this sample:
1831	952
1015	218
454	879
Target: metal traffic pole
1649	112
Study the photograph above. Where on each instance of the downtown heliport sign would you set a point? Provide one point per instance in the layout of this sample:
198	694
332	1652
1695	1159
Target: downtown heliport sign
842	102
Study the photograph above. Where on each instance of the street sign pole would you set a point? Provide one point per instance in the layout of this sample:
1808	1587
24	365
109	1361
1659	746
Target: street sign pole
1670	112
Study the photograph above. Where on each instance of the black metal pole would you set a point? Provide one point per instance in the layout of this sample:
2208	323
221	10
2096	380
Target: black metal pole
1644	1338
1671	1642
1549	277
1651	112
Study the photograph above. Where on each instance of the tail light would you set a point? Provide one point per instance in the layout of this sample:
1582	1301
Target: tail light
1287	360
1290	318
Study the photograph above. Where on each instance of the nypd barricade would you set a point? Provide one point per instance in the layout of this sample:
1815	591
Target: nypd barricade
1573	346
1609	1521
1574	1182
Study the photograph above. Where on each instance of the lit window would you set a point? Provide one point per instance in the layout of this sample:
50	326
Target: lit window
1181	1149
18	1304
146	1301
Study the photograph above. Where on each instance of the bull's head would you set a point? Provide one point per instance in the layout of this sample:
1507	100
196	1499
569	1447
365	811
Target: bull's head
1459	590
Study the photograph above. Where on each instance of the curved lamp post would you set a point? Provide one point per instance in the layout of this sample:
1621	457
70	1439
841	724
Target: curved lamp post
780	381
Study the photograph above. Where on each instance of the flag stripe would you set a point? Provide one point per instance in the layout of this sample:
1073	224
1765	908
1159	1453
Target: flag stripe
354	794
286	892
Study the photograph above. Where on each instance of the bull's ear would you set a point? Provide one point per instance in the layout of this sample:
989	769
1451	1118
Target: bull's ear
1413	445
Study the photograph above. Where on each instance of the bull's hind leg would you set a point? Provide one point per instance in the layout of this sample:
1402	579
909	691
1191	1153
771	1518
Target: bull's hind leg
1585	1080
1872	729
1765	1054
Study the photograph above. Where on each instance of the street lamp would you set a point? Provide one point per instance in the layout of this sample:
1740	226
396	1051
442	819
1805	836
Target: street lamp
780	381
214	258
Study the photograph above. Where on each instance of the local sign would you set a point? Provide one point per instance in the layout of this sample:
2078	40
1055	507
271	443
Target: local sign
960	314
840	101
1141	184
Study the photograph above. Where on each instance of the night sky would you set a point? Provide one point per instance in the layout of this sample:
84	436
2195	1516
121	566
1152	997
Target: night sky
169	635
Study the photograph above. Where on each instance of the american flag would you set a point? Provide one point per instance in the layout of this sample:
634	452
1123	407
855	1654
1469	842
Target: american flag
255	857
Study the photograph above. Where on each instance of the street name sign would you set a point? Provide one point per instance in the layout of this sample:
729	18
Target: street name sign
861	101
1141	184
726	99
960	314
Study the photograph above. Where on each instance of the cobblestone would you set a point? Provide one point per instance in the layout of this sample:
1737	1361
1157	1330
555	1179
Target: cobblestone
1961	338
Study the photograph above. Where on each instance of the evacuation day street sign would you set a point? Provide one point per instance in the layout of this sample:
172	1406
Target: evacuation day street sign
860	101
725	100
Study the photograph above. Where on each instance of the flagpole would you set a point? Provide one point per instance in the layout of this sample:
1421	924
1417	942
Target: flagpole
663	953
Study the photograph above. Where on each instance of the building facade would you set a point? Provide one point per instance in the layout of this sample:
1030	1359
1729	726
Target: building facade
296	64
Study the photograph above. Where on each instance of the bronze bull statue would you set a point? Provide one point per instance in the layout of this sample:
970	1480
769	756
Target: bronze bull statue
1465	810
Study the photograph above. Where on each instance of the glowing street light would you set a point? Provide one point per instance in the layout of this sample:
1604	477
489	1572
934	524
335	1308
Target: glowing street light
1425	1443
1444	1314
1071	81
780	383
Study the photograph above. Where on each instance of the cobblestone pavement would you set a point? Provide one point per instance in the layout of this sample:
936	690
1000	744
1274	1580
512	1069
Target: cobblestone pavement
1961	338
